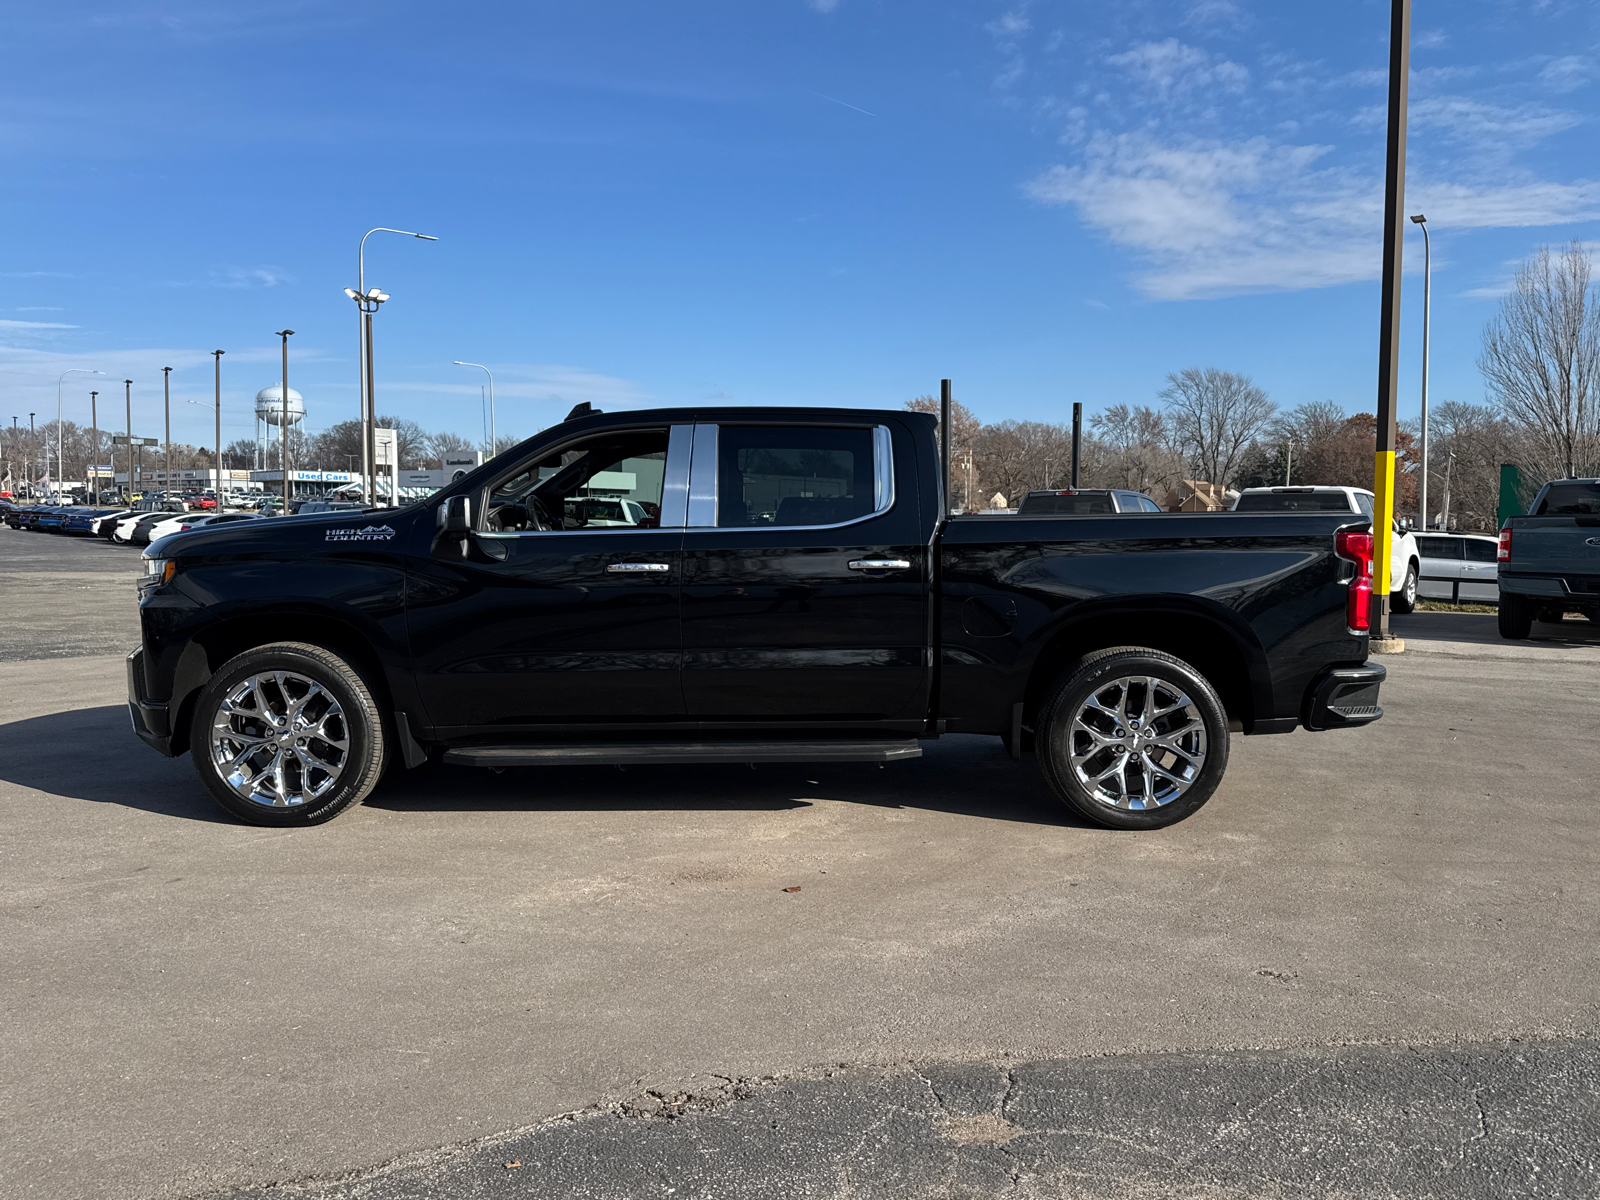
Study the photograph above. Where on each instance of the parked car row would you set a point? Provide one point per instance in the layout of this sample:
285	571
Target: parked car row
123	526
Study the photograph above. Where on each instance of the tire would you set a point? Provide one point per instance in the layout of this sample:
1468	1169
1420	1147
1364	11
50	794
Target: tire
1076	737
1405	600
1516	616
323	778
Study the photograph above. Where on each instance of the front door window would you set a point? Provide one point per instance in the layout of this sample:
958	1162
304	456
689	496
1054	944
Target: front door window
613	481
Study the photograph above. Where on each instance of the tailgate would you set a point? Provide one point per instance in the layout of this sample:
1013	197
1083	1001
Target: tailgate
1567	546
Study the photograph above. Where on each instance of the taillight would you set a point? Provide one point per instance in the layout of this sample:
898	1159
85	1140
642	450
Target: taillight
1504	553
1357	547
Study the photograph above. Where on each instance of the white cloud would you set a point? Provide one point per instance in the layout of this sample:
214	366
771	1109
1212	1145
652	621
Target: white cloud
1214	13
1173	70
552	382
1214	218
24	325
1567	74
1471	120
1008	28
823	6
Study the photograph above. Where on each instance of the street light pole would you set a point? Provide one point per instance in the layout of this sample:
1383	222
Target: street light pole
94	446
216	356
33	459
166	401
61	470
1427	296
283	430
366	392
492	435
127	399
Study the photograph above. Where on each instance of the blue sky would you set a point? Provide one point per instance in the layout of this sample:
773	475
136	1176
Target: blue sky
833	201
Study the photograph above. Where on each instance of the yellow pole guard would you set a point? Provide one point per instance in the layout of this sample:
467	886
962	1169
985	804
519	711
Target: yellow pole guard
1382	522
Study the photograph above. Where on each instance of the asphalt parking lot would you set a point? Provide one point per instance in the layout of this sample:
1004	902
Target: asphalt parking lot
1367	967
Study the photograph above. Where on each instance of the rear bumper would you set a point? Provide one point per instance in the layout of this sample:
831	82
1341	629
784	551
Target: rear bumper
1343	698
149	717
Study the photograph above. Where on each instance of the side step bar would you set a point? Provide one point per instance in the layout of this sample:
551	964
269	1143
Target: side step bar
626	753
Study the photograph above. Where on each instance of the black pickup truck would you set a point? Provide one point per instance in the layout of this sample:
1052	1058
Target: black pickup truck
1550	559
742	585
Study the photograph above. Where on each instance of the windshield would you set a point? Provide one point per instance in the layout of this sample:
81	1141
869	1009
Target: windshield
1293	502
1571	499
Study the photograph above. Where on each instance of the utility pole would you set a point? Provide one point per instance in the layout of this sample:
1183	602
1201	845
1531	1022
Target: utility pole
283	430
33	459
216	356
94	446
1394	195
166	394
1288	461
945	438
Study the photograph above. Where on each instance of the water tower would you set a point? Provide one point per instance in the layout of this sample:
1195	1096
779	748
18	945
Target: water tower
269	410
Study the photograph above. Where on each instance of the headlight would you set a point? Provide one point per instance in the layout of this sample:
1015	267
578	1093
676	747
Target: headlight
157	571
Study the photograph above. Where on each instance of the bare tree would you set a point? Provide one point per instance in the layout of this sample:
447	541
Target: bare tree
1214	416
1541	360
1136	449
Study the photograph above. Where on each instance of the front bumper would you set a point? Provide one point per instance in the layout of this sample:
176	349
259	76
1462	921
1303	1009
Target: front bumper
1343	698
149	717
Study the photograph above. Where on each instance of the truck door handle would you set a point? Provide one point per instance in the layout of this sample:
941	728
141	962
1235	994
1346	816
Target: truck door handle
625	568
880	564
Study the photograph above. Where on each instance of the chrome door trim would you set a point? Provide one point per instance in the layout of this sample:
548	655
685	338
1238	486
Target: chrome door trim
675	487
637	567
879	564
703	478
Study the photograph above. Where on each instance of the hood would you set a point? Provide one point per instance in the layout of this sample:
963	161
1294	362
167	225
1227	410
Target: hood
309	534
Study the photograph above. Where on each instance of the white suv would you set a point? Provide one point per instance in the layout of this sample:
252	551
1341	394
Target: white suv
1405	563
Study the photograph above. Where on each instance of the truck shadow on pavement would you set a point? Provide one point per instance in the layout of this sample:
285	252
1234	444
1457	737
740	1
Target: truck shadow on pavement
1483	629
91	754
964	776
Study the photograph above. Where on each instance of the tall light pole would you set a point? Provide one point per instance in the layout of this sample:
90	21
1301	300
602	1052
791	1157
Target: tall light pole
94	446
1394	227
61	471
33	459
127	399
283	430
166	401
1427	297
216	356
367	393
492	436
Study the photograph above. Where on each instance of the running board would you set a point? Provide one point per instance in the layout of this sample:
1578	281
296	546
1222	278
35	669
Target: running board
627	753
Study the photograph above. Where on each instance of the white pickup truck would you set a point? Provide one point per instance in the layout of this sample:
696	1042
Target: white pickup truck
1404	561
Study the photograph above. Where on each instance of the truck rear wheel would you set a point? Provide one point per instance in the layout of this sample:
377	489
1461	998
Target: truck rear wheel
1133	738
1516	616
287	734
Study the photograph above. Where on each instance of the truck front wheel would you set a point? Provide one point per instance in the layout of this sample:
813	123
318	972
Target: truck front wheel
1133	738
287	734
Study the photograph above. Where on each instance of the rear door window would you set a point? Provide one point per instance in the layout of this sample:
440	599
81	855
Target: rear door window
770	475
1570	500
1478	550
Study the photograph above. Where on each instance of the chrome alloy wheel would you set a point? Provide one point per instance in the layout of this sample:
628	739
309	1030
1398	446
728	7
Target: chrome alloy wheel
279	739
1138	743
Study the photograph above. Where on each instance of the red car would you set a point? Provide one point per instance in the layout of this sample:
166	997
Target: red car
204	500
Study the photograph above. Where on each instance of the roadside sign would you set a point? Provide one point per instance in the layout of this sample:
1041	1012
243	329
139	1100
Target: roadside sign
120	440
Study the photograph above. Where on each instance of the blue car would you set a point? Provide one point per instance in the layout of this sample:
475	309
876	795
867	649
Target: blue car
49	519
80	521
